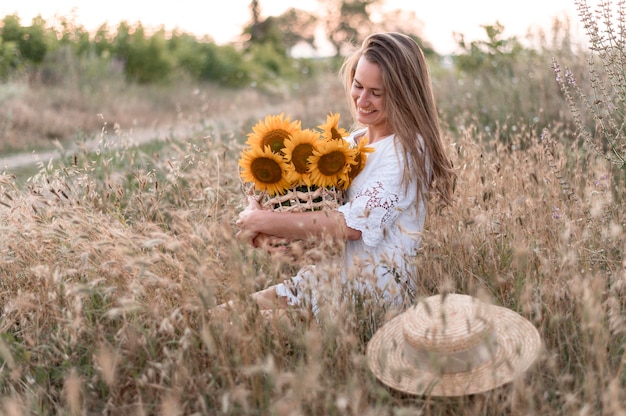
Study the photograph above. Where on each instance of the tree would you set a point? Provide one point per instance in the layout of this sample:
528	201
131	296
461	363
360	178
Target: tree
256	30
281	32
262	31
496	54
146	58
12	30
406	22
10	34
9	58
297	26
347	21
31	41
102	41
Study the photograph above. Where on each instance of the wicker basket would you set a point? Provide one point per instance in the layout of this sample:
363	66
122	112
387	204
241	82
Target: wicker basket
302	199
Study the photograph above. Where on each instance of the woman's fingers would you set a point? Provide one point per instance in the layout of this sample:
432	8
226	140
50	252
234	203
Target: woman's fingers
253	203
245	234
247	237
271	243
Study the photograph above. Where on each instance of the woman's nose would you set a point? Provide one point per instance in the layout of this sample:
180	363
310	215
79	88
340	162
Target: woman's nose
361	99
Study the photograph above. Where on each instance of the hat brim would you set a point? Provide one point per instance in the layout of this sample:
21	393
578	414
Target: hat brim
518	341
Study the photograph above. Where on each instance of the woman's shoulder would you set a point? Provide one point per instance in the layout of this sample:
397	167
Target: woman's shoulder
357	135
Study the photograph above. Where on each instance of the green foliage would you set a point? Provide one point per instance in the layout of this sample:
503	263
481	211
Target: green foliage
496	55
148	61
265	32
270	63
282	32
75	36
296	26
31	40
146	58
487	76
9	58
225	65
102	43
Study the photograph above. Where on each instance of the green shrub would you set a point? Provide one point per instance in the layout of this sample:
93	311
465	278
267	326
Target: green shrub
224	65
9	58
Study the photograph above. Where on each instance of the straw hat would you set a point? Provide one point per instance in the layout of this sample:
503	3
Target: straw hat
452	345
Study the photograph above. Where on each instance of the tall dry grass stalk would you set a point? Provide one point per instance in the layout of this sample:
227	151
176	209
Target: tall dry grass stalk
599	108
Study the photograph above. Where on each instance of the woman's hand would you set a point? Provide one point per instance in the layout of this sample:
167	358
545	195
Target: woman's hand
292	226
245	222
270	243
249	229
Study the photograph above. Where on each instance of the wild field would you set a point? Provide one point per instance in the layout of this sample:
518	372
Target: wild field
111	258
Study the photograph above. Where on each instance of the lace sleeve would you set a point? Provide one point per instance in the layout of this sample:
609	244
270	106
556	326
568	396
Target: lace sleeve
373	209
377	196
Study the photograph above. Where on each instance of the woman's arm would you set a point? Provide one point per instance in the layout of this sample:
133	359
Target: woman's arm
293	225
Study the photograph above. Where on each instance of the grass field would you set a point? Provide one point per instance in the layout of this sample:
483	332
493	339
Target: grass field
111	256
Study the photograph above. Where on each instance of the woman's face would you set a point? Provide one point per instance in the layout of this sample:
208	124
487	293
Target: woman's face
369	96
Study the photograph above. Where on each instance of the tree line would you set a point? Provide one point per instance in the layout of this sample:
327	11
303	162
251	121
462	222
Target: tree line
261	55
262	52
142	55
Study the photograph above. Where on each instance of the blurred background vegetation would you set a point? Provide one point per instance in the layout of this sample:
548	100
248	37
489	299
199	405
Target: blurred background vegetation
60	82
499	80
261	54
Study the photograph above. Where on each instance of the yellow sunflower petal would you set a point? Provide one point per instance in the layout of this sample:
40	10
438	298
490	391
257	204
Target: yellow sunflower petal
272	132
330	164
331	130
298	150
362	145
267	170
360	158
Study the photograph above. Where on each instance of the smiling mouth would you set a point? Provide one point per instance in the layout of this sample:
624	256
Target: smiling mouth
364	111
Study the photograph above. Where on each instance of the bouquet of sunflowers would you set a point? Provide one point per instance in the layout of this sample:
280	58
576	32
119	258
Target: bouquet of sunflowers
293	169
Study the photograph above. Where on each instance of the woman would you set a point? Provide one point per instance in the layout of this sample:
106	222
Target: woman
389	88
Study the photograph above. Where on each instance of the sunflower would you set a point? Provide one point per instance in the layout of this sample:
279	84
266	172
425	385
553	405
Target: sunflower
266	169
272	132
360	157
298	149
330	129
331	163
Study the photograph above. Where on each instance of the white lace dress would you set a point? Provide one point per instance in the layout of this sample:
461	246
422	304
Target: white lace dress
390	219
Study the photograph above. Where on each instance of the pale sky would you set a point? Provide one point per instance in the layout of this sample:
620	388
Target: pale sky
223	19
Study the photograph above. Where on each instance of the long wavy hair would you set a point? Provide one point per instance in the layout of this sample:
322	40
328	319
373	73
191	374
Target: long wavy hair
410	107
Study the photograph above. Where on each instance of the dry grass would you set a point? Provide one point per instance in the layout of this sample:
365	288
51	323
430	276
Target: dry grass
110	262
33	115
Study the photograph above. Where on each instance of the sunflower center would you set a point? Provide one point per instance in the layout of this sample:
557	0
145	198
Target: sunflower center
356	169
266	170
332	163
275	139
334	133
299	156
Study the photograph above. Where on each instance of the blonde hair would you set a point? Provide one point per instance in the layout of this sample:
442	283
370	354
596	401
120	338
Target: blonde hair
410	107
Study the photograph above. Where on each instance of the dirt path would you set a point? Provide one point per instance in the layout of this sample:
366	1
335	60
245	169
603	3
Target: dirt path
134	137
219	123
